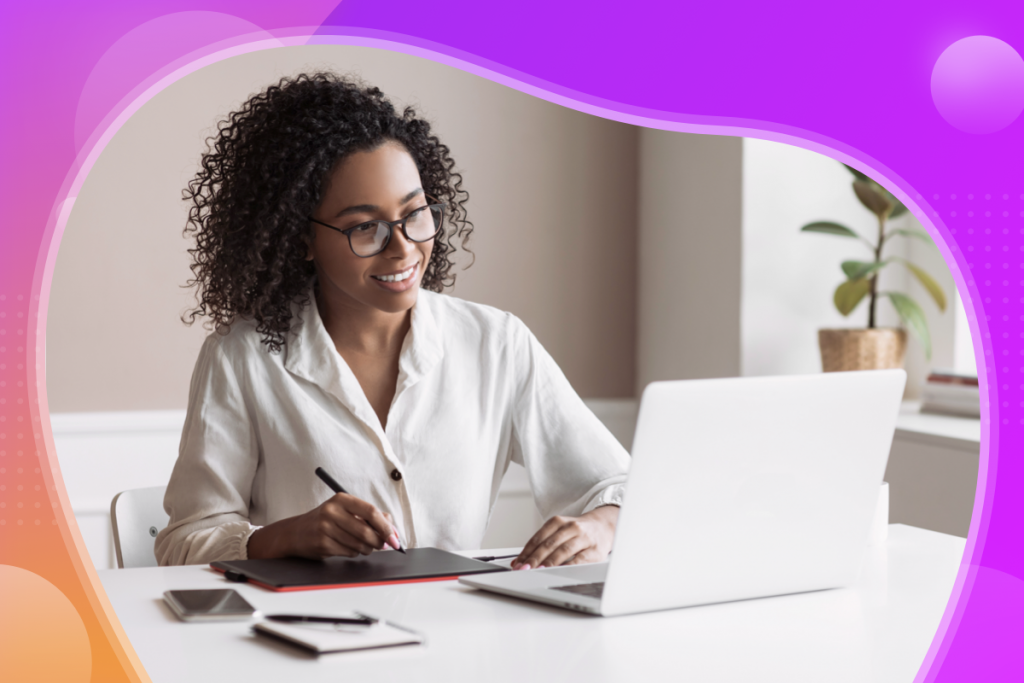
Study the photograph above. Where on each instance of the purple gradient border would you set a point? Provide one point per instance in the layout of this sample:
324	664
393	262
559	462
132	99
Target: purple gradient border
565	96
631	115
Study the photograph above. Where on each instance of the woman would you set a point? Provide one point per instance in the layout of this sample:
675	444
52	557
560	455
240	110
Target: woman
325	223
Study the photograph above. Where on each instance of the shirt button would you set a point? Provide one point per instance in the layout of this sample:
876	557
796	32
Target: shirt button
396	475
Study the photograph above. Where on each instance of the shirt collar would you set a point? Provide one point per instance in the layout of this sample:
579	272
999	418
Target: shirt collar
423	348
310	354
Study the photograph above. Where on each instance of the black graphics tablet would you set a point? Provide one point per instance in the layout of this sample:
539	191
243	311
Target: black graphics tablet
379	568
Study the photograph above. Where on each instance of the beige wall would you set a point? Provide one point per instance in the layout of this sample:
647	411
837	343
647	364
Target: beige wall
690	231
553	196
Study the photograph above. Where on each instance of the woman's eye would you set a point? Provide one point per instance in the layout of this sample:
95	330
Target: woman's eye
365	227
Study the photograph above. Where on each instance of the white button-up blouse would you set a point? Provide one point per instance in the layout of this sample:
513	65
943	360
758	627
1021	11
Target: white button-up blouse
475	392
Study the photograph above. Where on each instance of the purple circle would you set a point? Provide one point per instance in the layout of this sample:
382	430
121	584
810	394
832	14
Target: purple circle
978	84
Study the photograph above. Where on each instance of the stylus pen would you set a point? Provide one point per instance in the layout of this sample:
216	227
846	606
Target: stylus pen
299	618
337	488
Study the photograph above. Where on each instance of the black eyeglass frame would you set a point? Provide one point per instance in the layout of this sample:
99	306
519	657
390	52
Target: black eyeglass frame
347	232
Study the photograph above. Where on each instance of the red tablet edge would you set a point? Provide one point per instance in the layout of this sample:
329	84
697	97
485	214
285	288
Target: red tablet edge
288	589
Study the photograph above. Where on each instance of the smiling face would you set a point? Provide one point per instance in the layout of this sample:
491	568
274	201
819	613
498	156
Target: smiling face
380	184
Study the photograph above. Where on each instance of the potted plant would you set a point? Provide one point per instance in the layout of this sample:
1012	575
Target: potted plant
874	347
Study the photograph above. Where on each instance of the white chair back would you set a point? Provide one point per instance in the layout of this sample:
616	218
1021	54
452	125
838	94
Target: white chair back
137	516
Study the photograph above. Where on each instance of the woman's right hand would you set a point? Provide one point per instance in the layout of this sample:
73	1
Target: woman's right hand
342	525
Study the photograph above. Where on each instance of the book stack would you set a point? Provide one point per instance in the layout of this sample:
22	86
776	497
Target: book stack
951	393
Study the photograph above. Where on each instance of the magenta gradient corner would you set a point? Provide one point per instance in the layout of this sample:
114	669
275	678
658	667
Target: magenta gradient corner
854	85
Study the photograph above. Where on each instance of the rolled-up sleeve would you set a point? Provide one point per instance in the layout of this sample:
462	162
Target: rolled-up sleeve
574	463
209	491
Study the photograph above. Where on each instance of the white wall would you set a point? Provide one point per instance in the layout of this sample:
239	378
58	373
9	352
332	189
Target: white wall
789	276
963	346
102	454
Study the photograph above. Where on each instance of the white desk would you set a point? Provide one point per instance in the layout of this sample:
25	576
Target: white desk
879	630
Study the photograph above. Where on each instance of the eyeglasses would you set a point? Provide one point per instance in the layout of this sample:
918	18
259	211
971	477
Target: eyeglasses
371	238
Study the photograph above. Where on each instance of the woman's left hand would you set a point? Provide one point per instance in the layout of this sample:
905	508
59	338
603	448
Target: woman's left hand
571	540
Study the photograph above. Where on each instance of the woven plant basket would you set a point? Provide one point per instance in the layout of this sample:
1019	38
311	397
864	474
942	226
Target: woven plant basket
862	349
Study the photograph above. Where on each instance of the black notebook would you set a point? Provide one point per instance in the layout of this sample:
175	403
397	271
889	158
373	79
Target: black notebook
293	573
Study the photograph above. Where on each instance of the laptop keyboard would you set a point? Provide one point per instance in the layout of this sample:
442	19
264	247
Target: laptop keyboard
593	590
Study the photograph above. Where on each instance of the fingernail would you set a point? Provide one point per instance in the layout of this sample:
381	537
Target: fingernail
543	566
524	566
393	541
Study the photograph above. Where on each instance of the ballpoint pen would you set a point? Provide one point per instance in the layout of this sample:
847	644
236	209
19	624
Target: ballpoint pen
337	488
311	619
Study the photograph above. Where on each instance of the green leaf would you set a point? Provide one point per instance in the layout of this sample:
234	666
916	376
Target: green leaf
931	285
849	294
855	270
897	206
906	232
873	199
913	318
856	173
829	228
898	209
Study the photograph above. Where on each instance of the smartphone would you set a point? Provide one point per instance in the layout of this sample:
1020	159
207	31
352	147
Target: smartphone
217	604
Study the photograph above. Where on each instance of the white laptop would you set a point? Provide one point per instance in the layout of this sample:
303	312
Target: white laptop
738	488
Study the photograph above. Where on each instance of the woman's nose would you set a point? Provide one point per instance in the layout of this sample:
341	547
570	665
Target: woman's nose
398	246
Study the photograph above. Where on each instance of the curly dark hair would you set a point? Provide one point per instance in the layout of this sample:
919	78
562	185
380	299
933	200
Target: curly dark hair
263	175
